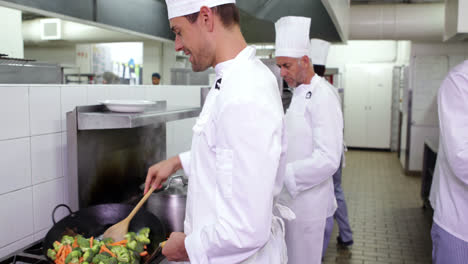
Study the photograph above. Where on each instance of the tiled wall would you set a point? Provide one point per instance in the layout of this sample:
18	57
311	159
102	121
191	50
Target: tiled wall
33	149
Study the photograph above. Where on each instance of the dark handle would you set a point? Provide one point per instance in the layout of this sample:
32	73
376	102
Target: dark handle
57	207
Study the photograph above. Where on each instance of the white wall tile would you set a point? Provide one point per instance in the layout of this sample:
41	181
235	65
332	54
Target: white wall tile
181	95
119	92
46	157
15	164
14	112
72	96
46	196
17	218
7	250
97	93
45	109
40	234
153	93
137	92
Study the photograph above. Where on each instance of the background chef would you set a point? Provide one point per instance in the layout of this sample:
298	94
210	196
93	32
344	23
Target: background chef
318	54
314	125
449	192
237	145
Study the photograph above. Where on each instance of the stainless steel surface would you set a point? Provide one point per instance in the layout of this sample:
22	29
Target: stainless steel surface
108	165
169	204
97	117
30	72
203	94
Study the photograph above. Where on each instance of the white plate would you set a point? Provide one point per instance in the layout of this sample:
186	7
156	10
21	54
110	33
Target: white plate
127	106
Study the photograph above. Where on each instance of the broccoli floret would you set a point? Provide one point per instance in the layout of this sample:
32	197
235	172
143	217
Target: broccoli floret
108	240
100	258
83	243
57	246
143	236
136	246
51	254
130	236
122	253
88	256
76	253
73	257
85	262
96	248
134	258
67	240
112	261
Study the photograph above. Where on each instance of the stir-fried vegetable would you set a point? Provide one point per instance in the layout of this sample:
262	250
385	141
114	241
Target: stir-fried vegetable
80	250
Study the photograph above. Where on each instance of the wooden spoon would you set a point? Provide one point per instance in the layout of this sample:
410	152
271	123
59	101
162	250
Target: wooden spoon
119	230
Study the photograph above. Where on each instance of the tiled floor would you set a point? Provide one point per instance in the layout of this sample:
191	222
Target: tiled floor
385	213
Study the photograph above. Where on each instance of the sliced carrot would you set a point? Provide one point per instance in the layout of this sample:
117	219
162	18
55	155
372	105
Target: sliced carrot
81	259
105	249
145	247
91	242
119	243
144	253
60	251
75	244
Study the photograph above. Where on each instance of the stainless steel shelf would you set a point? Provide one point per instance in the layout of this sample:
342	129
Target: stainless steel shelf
98	117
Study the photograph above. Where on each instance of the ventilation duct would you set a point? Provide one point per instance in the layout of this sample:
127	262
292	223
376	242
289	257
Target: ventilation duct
417	22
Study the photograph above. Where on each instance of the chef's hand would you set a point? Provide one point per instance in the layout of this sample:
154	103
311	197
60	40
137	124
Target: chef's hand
159	172
174	250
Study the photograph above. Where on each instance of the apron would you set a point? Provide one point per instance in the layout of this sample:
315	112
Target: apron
275	250
304	235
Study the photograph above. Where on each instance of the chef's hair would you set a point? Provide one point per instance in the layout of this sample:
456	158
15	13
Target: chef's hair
229	14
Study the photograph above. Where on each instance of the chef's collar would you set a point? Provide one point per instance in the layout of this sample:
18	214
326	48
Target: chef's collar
222	67
304	87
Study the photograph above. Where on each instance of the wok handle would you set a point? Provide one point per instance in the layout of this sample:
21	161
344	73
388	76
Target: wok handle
57	207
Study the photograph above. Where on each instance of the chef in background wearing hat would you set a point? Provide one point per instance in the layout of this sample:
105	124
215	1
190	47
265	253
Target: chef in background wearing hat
238	145
318	53
314	126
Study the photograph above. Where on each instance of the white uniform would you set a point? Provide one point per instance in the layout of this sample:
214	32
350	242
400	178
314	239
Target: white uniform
314	125
449	191
237	146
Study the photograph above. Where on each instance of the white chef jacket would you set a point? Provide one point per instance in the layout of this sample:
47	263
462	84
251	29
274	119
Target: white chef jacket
449	191
233	167
314	125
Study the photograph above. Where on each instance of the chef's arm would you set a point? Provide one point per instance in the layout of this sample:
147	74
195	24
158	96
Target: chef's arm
453	116
248	147
185	162
326	122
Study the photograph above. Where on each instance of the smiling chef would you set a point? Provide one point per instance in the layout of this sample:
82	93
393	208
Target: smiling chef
237	147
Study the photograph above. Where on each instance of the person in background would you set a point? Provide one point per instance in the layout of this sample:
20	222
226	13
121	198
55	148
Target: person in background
236	162
110	78
155	78
319	52
314	125
449	191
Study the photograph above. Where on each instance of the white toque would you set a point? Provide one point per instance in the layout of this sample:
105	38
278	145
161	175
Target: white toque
292	36
177	8
319	51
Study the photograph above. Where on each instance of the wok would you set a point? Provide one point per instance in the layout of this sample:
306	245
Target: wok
93	221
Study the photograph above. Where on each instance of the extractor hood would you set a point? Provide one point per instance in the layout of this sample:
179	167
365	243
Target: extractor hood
456	20
329	18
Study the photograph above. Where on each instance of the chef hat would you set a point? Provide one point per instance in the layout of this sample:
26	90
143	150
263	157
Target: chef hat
292	36
319	51
177	8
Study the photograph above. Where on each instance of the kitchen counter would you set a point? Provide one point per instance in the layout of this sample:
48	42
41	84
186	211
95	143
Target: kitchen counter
98	117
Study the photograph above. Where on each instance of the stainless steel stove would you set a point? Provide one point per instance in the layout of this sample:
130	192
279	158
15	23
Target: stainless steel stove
31	254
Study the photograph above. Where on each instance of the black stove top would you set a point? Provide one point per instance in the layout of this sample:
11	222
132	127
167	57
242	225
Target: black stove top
31	254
